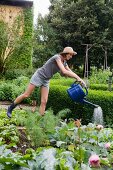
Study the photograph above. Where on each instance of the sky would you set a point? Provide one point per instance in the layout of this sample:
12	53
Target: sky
41	6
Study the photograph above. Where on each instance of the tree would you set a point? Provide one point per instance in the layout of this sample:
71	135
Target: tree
44	42
10	36
83	22
73	23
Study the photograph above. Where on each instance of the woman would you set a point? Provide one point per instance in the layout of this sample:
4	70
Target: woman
42	76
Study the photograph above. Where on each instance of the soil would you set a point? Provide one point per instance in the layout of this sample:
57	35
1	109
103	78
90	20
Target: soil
24	143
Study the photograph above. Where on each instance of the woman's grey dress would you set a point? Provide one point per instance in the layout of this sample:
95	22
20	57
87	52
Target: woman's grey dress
42	75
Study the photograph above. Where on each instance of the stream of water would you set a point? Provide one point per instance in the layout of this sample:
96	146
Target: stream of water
98	116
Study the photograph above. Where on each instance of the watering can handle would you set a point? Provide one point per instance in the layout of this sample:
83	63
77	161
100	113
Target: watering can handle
77	82
86	90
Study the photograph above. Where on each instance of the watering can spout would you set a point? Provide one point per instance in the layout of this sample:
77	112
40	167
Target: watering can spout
87	102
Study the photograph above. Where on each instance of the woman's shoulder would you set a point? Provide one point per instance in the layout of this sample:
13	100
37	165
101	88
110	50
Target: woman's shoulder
56	56
53	58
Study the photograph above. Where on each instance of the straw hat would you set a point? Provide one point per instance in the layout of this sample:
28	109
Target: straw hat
68	50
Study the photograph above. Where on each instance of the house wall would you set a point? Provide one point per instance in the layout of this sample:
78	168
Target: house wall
9	13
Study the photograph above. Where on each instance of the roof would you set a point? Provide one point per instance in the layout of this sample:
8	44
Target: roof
24	3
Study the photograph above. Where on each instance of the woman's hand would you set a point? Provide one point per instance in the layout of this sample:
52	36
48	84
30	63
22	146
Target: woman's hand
83	84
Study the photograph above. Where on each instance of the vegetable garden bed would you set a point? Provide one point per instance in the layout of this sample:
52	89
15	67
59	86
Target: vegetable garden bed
29	141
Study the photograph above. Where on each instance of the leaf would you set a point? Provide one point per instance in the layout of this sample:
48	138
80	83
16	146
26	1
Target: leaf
27	157
71	147
12	161
46	159
59	143
12	145
85	167
67	161
1	167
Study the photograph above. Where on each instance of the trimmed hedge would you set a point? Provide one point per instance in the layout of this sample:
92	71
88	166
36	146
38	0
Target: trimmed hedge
99	87
69	81
59	99
62	81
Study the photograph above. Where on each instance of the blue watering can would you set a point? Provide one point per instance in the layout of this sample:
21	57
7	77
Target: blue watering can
77	94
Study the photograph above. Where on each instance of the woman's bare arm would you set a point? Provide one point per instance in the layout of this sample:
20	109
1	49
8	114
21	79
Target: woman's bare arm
68	72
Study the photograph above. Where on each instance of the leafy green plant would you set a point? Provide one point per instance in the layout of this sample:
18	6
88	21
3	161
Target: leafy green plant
74	143
9	134
40	128
9	90
99	77
10	160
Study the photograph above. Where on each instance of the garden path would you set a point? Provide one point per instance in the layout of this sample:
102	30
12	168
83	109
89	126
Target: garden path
5	104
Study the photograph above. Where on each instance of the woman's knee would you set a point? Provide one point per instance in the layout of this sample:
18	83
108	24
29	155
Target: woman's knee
26	95
43	102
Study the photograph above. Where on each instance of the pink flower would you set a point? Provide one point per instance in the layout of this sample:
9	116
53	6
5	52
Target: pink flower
99	127
107	145
94	161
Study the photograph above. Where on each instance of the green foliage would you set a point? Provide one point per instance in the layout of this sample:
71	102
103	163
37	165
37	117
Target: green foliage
20	45
26	51
62	113
6	90
61	81
99	97
74	143
9	134
9	90
63	100
39	128
80	22
103	87
15	73
57	76
97	94
44	42
99	77
10	160
3	35
10	41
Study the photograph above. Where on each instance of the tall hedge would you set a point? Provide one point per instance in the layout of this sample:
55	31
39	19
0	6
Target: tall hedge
22	57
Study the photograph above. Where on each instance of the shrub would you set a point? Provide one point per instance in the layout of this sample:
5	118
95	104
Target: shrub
9	90
99	77
62	81
6	90
12	74
15	73
69	81
59	99
99	87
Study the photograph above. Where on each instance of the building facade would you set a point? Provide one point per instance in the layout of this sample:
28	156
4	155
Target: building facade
10	10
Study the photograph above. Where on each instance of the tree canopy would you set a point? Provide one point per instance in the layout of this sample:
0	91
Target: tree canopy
77	22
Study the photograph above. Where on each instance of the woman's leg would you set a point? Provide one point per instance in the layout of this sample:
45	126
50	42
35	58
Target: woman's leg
44	98
26	94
